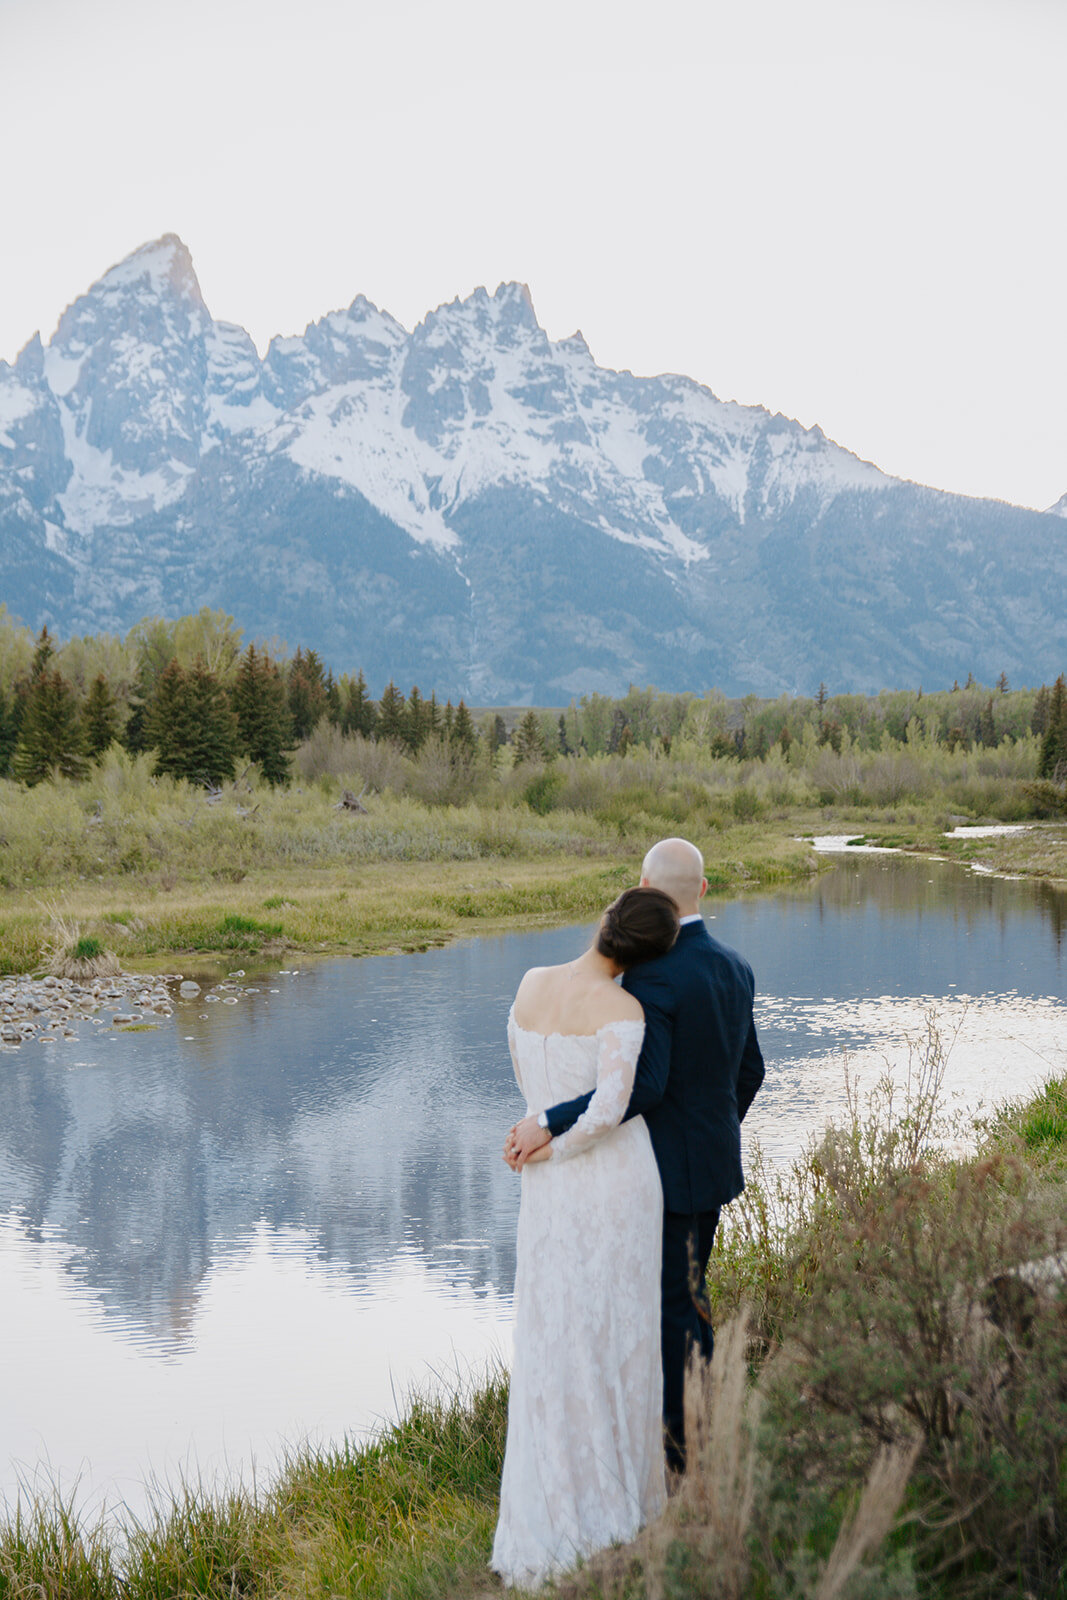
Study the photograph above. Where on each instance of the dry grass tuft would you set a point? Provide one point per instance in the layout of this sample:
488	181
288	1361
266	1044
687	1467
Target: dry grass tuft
713	1506
861	1534
70	953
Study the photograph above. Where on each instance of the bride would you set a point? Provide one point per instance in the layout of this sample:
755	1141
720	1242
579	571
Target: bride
584	1461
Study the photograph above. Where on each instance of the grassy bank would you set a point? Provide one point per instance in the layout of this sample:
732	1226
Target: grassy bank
345	910
1040	852
410	1514
154	869
886	1418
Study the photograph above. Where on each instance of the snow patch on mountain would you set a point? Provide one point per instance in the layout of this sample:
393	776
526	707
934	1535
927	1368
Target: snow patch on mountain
1060	508
100	492
16	403
62	372
354	435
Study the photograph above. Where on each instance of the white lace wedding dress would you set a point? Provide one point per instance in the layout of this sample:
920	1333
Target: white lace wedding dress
584	1462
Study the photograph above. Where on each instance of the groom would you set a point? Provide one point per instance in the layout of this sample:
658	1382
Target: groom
699	1070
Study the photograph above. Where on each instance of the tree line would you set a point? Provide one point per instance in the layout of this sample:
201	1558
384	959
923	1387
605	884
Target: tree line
201	716
191	693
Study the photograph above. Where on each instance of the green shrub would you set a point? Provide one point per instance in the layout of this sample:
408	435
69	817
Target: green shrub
543	791
746	804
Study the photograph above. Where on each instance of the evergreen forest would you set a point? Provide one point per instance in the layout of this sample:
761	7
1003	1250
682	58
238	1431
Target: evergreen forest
202	704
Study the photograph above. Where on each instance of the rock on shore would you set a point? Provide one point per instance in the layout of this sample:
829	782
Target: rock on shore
49	1009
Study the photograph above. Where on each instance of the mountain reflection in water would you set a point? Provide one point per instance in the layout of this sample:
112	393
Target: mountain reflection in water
284	1206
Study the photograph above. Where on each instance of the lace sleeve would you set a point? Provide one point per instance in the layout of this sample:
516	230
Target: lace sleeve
618	1047
513	1046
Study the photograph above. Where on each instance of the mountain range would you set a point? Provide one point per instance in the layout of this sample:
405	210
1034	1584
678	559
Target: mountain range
480	510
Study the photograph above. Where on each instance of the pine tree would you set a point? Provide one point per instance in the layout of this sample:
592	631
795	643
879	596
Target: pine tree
987	729
43	652
218	725
307	693
463	739
134	735
564	747
360	715
170	722
191	727
391	710
101	721
50	734
497	736
528	743
8	732
1053	755
1039	714
261	705
414	721
333	701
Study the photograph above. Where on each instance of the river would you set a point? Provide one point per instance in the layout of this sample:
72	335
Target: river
266	1219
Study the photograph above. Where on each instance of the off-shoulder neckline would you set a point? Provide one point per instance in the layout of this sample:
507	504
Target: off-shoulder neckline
621	1022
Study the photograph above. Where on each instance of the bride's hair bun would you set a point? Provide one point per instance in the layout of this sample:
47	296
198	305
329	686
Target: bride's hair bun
639	926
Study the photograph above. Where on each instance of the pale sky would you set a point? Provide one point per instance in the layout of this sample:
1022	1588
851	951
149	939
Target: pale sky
850	211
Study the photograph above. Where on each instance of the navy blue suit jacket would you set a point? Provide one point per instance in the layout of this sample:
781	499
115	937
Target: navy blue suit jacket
699	1069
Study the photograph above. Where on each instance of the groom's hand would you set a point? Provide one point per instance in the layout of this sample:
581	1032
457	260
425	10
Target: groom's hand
524	1139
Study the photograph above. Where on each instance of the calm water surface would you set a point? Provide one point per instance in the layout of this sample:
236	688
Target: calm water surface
267	1219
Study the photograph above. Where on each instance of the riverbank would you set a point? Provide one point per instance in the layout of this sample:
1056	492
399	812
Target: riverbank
1032	850
896	1320
362	907
155	872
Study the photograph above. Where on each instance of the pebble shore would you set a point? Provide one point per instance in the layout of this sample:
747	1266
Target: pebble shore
48	1010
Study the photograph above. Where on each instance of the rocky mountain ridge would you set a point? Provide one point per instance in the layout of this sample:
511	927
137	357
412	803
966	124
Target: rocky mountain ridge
479	509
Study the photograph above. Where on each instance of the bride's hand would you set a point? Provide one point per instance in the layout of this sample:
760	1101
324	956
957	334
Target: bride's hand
525	1138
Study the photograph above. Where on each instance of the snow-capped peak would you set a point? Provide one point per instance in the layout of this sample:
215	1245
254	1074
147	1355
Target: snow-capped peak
474	400
163	266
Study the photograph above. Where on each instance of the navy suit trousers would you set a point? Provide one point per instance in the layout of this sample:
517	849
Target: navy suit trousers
686	1325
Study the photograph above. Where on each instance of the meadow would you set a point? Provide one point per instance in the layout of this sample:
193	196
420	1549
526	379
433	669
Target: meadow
153	867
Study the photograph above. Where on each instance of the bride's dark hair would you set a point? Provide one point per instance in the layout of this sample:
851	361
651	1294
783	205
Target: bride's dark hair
639	926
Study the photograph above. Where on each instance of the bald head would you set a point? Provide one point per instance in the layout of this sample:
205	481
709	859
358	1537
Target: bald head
676	867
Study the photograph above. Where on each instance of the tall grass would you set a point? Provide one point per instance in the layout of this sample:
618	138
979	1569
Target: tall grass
409	1514
121	822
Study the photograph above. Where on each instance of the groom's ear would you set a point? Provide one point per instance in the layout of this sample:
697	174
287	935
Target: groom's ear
703	888
644	884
